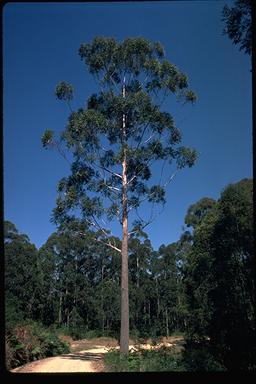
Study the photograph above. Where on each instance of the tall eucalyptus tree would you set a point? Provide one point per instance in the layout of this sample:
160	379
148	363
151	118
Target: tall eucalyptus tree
115	139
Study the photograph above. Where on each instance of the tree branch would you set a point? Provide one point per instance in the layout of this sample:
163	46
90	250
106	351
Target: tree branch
61	152
103	242
151	194
111	172
108	244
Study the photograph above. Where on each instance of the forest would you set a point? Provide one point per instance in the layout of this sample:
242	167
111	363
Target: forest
201	286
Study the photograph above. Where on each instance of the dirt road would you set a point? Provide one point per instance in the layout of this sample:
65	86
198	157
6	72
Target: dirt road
86	356
90	360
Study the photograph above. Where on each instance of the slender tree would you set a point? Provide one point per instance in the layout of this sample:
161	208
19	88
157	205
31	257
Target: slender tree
115	140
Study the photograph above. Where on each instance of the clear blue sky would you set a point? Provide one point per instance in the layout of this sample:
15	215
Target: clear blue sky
40	44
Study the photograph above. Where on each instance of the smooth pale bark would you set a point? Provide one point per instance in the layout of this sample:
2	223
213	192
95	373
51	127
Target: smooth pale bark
124	336
124	339
102	305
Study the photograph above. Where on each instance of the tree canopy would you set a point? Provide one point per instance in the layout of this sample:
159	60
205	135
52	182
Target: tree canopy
134	79
238	24
220	276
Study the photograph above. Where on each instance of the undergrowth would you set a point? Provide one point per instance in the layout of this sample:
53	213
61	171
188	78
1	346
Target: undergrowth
29	342
190	359
163	359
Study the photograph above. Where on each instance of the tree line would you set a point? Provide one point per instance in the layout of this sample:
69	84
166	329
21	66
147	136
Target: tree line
202	285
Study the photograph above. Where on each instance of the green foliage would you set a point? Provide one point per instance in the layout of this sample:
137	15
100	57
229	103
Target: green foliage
185	157
202	285
190	96
116	362
163	359
13	312
29	341
198	358
20	271
64	91
214	296
113	141
139	68
238	24
46	139
196	212
10	231
219	274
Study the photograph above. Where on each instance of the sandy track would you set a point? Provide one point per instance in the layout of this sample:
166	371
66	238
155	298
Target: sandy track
83	361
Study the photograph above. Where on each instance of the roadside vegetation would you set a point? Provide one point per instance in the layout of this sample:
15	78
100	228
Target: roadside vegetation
163	359
201	287
30	341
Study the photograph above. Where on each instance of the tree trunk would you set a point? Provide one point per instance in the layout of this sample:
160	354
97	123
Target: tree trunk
137	263
60	310
102	302
158	301
68	316
124	337
167	323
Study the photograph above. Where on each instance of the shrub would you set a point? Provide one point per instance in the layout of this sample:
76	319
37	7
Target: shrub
198	358
31	341
163	359
117	363
92	333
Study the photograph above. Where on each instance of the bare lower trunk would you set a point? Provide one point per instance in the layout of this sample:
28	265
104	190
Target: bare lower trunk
124	337
102	302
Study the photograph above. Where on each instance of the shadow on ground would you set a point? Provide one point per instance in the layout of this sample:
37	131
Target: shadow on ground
83	356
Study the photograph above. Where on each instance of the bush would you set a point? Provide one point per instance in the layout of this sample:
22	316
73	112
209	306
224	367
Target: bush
163	359
92	334
198	358
31	341
115	362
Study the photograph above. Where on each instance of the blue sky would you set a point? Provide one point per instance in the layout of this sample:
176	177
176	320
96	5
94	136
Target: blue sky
40	48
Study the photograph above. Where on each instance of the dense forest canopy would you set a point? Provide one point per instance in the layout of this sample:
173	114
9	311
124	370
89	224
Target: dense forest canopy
203	285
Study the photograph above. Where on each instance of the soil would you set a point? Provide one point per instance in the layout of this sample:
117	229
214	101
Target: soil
87	355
